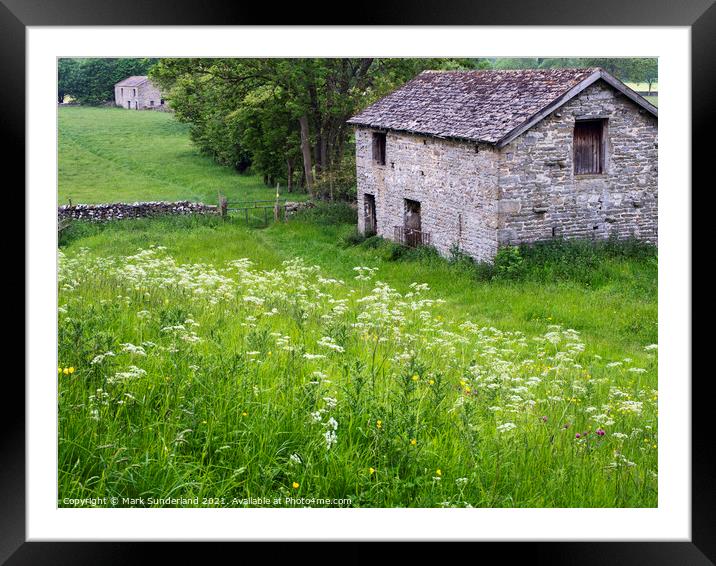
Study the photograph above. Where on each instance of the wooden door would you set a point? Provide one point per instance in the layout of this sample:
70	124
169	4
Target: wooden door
369	216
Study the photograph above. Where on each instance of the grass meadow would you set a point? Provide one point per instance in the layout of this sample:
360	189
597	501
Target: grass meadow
201	358
113	155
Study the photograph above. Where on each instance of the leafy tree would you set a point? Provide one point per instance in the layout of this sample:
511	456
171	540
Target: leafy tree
92	80
623	68
289	115
644	71
67	76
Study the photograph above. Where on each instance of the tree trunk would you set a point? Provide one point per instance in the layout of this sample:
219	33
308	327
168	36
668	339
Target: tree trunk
306	150
289	175
324	150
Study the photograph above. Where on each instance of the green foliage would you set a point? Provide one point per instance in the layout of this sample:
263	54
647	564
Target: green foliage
509	263
587	262
463	263
250	108
353	238
91	80
641	69
325	213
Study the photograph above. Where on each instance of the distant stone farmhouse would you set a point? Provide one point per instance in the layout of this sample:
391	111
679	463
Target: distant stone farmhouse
483	159
137	93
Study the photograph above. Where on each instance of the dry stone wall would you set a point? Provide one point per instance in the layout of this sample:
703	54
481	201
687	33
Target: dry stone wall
117	211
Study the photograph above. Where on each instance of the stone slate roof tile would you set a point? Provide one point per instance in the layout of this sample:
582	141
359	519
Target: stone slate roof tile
133	81
471	105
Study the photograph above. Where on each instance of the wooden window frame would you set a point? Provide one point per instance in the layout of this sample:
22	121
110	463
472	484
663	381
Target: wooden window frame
601	159
379	145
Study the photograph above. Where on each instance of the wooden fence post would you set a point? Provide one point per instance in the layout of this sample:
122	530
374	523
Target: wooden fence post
223	205
276	212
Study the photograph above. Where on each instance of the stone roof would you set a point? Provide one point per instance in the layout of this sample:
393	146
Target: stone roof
133	81
482	106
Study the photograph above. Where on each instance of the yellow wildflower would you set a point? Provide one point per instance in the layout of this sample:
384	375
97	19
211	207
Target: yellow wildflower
416	377
66	371
413	441
371	471
438	472
71	370
295	485
379	424
431	381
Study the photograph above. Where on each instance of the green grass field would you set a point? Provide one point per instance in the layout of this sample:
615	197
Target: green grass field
643	86
185	371
114	155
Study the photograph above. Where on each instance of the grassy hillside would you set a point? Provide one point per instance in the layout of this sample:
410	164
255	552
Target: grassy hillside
115	155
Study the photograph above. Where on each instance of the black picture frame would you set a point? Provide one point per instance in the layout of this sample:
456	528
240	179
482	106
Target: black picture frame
699	15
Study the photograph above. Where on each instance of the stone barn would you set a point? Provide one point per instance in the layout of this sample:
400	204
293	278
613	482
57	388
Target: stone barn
138	93
484	159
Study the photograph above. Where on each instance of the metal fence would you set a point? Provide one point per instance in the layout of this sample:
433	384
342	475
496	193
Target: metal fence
254	212
411	237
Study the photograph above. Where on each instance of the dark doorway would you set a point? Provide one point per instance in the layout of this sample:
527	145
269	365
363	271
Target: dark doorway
371	223
129	105
412	223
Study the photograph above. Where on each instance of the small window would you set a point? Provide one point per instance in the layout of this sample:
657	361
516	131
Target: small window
379	148
151	103
589	147
134	91
161	102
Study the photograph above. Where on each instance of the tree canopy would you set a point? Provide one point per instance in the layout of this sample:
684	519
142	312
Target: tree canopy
92	80
287	116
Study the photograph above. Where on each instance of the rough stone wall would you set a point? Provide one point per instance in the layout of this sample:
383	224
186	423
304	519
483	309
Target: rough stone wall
539	191
149	93
145	93
117	211
456	184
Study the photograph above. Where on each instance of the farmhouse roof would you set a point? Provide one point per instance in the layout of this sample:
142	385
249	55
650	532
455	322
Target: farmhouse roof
483	106
133	81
